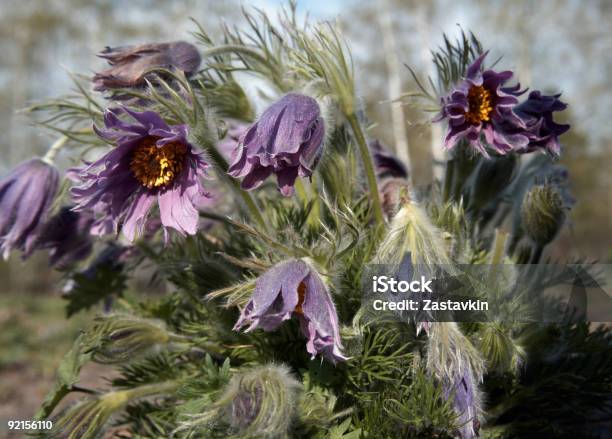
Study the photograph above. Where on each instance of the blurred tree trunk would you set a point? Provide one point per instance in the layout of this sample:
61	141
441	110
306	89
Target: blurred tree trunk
398	118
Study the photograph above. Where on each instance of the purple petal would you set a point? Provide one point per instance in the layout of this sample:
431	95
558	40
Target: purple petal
286	139
136	217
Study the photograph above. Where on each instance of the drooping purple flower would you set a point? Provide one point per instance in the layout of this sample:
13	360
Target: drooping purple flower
152	163
67	237
294	289
130	64
479	106
286	141
387	164
537	113
465	402
26	195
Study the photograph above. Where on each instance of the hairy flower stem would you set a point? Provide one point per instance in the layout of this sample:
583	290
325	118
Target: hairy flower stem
222	166
368	165
151	389
497	256
458	170
315	213
54	149
448	180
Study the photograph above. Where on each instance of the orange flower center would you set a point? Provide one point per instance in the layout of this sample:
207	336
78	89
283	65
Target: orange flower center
155	166
480	105
301	296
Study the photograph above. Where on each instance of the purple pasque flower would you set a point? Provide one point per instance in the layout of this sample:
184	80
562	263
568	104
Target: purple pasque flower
152	163
387	164
465	402
67	237
130	64
479	106
294	289
286	141
26	195
537	114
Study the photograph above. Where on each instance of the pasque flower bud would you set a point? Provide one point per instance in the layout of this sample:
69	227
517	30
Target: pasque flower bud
86	419
125	338
26	196
393	192
543	213
260	402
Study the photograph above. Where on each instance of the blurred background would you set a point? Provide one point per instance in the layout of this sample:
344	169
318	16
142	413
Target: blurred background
553	45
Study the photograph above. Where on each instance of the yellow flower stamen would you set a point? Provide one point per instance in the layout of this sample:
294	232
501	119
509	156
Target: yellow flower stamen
155	166
480	104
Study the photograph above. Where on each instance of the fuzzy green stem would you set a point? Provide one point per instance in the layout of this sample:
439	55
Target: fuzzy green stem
187	343
498	247
215	217
343	413
448	180
151	389
498	254
368	165
49	157
315	214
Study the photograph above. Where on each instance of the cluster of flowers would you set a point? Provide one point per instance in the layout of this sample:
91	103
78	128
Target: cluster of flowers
153	164
483	105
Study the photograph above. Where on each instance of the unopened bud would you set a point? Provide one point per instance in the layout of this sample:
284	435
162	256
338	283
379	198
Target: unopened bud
393	193
124	338
261	402
543	213
86	419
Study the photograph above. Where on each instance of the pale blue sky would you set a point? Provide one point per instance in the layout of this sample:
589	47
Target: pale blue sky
317	8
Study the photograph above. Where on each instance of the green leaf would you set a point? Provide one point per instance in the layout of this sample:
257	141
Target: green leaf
341	431
67	374
94	284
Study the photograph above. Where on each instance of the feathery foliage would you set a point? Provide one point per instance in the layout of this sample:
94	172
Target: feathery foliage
186	372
